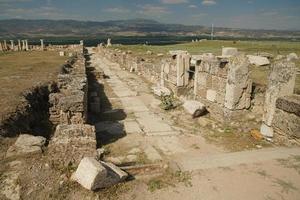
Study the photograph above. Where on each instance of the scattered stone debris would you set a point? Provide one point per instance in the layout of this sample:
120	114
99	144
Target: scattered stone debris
26	144
161	91
292	57
195	108
92	174
258	60
229	51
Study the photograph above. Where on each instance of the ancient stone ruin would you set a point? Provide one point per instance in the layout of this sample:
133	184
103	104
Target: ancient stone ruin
221	83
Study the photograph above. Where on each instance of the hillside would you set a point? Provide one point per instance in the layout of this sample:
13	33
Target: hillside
14	28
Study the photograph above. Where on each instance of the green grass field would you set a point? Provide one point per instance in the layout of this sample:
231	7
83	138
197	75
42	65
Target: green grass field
258	74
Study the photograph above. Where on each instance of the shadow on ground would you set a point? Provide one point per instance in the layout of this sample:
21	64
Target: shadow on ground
107	120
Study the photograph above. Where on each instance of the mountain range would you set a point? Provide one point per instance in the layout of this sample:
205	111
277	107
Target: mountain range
16	28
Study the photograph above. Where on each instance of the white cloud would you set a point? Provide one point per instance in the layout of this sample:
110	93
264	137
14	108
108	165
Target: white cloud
44	12
117	10
193	6
270	13
152	10
174	1
209	2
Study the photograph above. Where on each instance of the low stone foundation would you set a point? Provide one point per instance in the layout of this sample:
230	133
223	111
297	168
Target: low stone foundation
221	83
69	104
286	120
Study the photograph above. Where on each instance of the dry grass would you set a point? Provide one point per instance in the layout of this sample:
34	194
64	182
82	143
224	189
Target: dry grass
22	70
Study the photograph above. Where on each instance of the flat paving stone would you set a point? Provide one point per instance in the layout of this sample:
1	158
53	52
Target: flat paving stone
132	127
152	154
169	145
152	123
113	128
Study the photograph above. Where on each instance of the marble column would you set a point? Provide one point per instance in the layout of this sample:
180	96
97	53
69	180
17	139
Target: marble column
5	45
42	44
26	45
12	45
19	45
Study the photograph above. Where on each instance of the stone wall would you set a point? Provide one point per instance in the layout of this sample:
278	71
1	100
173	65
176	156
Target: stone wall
221	83
73	139
69	104
286	119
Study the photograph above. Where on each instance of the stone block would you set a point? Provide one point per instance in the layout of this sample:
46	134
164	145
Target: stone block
229	51
161	91
266	130
195	108
286	124
290	104
91	174
258	60
211	95
26	144
61	53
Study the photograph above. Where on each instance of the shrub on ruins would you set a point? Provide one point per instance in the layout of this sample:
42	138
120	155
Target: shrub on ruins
168	102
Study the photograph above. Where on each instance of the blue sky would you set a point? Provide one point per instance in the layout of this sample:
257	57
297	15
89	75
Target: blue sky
255	14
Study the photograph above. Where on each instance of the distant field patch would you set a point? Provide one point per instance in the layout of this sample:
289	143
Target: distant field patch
22	70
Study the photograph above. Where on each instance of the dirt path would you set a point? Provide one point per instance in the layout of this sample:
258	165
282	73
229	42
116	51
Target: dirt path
214	174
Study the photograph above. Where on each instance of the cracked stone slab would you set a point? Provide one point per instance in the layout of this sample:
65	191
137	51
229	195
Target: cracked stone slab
132	127
169	145
152	123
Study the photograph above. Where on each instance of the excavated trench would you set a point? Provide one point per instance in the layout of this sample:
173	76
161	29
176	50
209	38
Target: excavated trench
32	115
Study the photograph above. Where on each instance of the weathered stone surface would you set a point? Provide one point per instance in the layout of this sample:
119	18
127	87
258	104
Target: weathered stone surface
258	60
26	144
229	51
281	83
91	174
195	108
114	174
290	104
161	91
286	124
152	154
10	185
238	88
30	140
292	57
132	127
75	130
211	95
61	53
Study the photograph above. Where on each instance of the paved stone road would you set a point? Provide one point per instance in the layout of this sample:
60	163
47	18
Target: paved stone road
261	174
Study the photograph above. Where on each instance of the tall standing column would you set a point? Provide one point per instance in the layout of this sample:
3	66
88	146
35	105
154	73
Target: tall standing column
1	47
19	45
23	45
42	44
26	45
5	45
108	42
12	45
